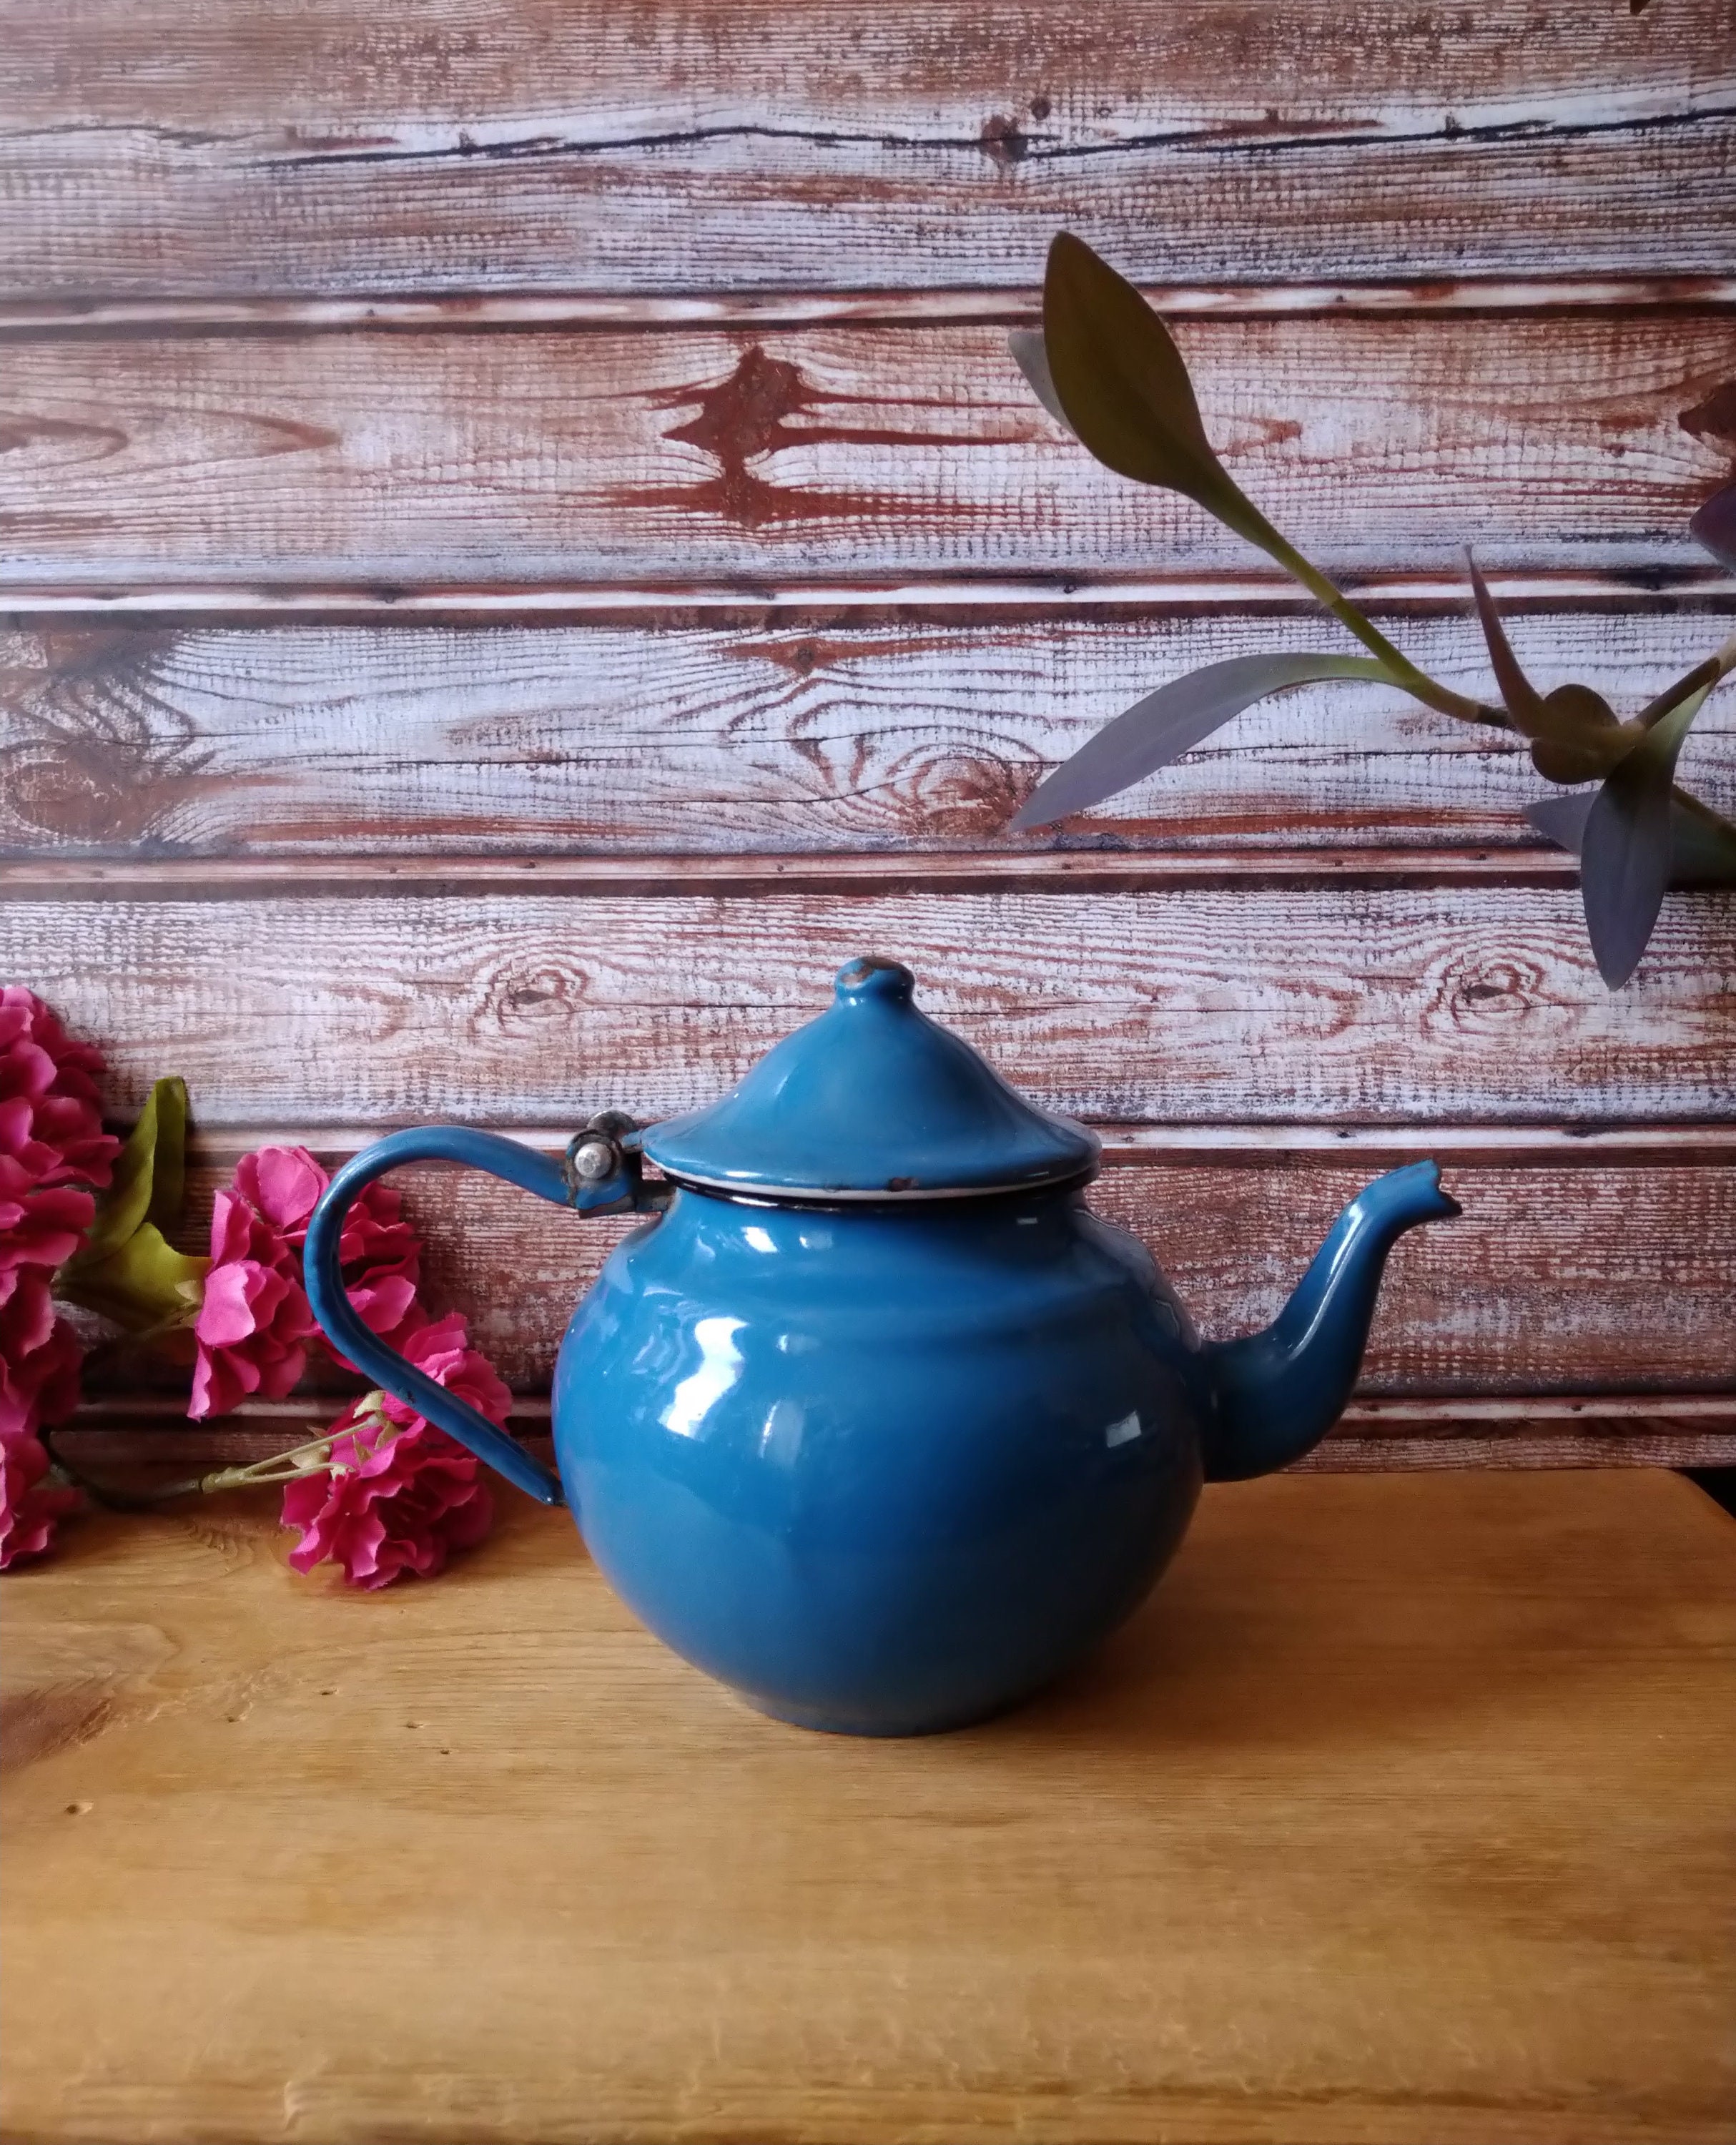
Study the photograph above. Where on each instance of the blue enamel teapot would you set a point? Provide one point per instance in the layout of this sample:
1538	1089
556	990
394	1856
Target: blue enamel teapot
872	1418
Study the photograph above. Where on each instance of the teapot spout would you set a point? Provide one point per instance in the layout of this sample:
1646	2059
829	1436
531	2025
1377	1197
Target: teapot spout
1275	1395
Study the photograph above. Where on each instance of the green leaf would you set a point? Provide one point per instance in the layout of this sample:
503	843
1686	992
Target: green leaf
1171	721
1109	370
1518	695
1120	383
1701	844
149	1177
1573	732
122	1207
1032	360
1561	820
144	1285
1700	679
126	1267
1581	737
1624	852
168	1178
1715	526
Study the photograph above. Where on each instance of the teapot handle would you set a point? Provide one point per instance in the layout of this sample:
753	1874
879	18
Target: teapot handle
599	1173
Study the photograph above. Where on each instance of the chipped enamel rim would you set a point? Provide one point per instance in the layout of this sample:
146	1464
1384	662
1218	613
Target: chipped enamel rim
778	1195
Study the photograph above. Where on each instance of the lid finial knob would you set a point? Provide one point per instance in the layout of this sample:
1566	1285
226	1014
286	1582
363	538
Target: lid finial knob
870	977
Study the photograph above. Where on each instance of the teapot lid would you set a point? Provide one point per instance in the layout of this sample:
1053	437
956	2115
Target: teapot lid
872	1101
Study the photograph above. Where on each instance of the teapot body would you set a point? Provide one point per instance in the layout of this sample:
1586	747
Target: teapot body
875	1420
881	1469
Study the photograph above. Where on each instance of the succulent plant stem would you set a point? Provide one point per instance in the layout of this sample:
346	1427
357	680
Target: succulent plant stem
1403	672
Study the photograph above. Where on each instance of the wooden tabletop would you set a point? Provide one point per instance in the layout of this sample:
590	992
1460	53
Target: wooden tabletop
1405	1811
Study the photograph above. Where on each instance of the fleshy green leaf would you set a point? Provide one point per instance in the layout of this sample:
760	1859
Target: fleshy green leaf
168	1176
149	1177
144	1285
1032	360
1701	844
1120	384
1171	721
1624	852
1562	819
1715	526
1581	737
126	1267
1518	695
1700	679
1573	732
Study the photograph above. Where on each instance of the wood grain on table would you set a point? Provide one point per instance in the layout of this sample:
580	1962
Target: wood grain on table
1404	1814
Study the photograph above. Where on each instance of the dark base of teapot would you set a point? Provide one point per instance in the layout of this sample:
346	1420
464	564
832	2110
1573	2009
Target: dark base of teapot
822	1724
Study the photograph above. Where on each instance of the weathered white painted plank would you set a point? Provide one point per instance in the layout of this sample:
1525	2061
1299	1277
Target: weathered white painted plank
744	462
1367	1147
219	147
1579	1280
1282	1003
829	738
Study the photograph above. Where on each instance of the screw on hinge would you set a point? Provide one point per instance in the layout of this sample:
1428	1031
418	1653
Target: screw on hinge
595	1154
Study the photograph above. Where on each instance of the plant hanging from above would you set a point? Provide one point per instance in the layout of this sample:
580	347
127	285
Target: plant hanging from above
1105	366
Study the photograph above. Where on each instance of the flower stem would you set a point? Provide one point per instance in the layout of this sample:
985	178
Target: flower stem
312	1458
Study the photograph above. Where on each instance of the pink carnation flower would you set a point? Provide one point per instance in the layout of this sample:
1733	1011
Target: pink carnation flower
38	1355
41	1228
29	1507
53	1150
400	1494
237	1232
51	1127
379	1251
282	1185
254	1325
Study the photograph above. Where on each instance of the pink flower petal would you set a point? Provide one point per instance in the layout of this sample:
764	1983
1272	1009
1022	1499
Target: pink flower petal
239	1300
29	1507
282	1184
50	1122
400	1494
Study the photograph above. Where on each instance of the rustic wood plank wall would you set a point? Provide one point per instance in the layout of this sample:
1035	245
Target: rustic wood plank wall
521	547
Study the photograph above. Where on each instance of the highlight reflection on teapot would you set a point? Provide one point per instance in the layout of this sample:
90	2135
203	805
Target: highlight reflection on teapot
872	1418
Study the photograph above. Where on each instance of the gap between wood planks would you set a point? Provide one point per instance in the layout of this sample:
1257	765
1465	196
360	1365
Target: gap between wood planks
1511	1431
1178	1145
192	604
460	311
727	877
